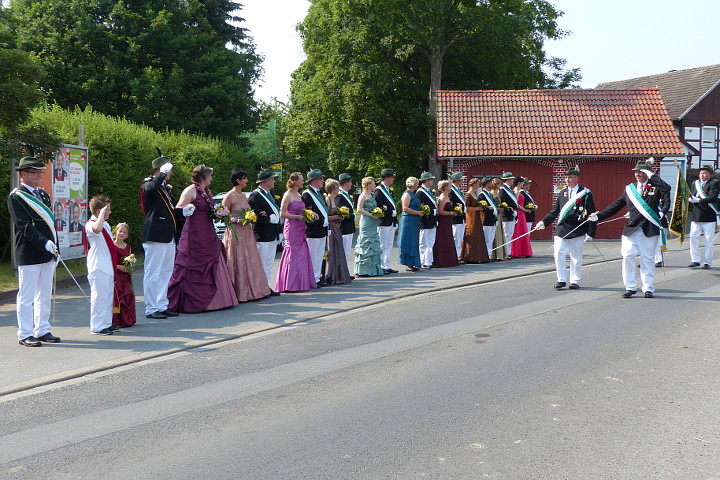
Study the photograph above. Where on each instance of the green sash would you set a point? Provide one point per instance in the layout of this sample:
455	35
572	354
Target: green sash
569	204
645	210
701	193
38	207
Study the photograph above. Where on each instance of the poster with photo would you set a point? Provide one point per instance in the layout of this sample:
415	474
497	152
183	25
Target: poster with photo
69	187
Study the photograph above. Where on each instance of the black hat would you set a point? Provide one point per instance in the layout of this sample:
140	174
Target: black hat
160	160
573	171
387	172
265	174
708	168
26	163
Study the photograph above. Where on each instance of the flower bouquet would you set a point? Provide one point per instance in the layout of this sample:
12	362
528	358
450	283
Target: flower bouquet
531	206
457	210
248	217
377	212
505	206
484	205
308	215
425	209
344	212
129	262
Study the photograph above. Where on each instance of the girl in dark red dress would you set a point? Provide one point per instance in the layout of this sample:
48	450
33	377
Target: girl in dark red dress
124	305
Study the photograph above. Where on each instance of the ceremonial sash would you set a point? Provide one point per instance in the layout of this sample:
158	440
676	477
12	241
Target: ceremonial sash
459	194
644	209
491	201
430	196
530	199
38	207
511	193
569	204
320	204
383	189
271	201
347	196
701	193
165	196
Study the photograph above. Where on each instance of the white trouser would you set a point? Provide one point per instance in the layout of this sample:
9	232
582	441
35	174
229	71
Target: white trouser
574	248
427	240
489	237
267	252
158	268
530	226
458	234
509	230
387	237
317	251
707	229
33	299
347	244
638	244
102	288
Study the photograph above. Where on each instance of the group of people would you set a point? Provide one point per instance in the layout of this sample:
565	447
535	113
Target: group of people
188	269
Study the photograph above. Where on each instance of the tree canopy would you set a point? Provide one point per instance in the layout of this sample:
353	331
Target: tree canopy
168	65
365	93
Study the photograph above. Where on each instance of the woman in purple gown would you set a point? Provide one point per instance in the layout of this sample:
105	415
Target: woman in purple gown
295	273
200	279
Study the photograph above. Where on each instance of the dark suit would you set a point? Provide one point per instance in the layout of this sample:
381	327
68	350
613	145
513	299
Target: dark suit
702	212
388	220
159	209
578	214
264	230
456	200
316	228
347	226
427	221
75	227
656	192
508	215
530	216
31	232
490	215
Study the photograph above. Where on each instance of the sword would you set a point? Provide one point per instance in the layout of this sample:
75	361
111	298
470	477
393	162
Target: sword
516	238
72	276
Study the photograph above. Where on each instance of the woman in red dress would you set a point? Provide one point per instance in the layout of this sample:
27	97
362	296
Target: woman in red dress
521	248
444	253
124	305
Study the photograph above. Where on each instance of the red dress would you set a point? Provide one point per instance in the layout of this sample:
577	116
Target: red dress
124	294
521	247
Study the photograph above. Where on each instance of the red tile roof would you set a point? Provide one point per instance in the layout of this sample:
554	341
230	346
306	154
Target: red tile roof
479	123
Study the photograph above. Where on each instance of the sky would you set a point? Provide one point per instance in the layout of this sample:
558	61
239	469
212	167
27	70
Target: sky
609	39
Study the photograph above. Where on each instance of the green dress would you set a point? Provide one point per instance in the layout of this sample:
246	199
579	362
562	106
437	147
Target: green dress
367	248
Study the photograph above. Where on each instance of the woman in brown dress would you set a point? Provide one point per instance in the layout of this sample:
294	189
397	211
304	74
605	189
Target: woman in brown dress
474	249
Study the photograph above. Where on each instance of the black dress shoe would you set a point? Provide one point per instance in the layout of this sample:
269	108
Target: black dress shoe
273	293
113	328
49	338
321	284
156	316
629	293
352	277
574	286
560	285
658	264
649	295
169	313
706	267
390	270
694	264
104	331
30	342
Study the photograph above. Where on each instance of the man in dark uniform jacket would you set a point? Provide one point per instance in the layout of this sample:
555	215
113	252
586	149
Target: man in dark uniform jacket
388	223
35	253
458	221
507	195
158	237
704	216
267	227
573	205
529	216
428	223
490	220
643	199
316	232
347	225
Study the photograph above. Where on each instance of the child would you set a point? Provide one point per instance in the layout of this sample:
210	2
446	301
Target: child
124	309
100	266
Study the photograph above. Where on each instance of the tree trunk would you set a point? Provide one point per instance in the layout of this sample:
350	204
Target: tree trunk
436	64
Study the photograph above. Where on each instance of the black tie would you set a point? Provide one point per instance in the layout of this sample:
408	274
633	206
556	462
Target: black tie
36	193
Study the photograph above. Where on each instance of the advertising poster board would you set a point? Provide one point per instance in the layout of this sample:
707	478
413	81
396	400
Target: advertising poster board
68	192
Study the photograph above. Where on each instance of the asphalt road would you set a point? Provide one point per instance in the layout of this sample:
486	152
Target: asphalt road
504	380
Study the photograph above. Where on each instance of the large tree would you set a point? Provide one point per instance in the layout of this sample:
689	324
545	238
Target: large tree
178	65
366	92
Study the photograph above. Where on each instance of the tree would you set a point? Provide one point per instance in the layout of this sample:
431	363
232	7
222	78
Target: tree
175	65
366	92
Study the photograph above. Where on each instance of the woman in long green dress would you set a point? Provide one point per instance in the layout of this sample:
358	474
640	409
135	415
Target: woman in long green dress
367	248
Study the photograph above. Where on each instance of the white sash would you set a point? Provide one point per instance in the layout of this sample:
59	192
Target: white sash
382	188
431	196
530	199
38	207
490	200
272	205
701	193
459	194
642	206
321	205
511	193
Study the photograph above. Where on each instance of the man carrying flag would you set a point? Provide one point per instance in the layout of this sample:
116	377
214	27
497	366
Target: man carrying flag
704	216
643	199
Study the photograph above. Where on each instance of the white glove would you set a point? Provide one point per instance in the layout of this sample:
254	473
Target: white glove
188	210
593	217
661	214
325	222
648	173
394	213
694	199
435	211
514	213
588	238
166	167
627	215
540	225
50	247
274	218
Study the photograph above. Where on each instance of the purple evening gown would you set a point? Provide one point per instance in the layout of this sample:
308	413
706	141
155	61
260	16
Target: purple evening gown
200	279
295	273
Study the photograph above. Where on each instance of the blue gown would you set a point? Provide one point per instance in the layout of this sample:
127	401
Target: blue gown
367	248
409	234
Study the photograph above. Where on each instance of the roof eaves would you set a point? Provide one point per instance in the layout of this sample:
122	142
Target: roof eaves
698	100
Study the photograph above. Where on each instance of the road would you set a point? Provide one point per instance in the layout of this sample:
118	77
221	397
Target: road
502	380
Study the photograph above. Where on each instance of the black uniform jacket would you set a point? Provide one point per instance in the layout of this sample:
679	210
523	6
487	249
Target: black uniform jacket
161	217
315	229
31	231
455	200
388	220
530	216
427	221
583	206
508	215
347	226
263	229
702	212
656	192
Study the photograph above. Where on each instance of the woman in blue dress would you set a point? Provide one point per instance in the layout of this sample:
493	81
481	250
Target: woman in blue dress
409	234
367	248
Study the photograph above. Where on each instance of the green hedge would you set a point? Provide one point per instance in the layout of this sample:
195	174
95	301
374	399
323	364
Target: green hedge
120	157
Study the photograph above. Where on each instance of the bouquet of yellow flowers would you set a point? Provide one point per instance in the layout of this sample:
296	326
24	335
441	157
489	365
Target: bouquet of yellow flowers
377	212
249	217
530	206
484	205
425	209
344	212
504	205
129	262
308	215
458	210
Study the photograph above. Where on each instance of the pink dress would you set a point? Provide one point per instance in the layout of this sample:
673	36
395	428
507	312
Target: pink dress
243	260
295	273
521	247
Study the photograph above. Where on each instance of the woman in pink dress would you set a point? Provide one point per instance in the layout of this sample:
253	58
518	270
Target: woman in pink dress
243	260
295	273
521	248
200	279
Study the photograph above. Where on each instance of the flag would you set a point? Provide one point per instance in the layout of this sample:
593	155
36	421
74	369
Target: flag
678	220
